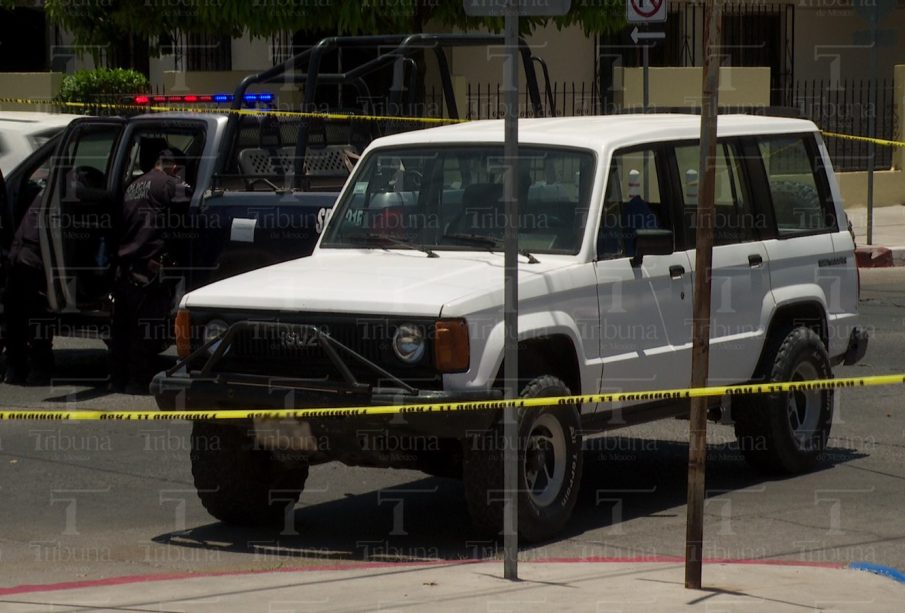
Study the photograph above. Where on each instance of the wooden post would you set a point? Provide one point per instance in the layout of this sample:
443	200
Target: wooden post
700	352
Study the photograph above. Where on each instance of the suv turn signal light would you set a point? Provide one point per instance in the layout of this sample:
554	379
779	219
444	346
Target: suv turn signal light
451	349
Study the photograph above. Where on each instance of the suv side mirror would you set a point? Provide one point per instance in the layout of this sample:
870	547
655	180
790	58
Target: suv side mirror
652	242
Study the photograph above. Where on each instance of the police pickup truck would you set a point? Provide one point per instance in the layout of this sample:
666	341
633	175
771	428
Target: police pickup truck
264	181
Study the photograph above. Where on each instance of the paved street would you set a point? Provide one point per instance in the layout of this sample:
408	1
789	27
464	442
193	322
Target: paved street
94	500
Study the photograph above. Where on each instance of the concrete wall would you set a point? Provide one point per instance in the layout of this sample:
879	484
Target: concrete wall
889	188
32	85
682	86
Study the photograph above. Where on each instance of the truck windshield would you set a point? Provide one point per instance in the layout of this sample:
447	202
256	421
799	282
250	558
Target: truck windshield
451	198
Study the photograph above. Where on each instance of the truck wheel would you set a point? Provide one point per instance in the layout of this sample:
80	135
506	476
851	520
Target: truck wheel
237	483
785	433
549	463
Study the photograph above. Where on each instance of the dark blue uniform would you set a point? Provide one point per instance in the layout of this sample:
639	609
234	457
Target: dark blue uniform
154	204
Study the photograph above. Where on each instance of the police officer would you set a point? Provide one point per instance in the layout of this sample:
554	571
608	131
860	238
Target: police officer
152	205
29	353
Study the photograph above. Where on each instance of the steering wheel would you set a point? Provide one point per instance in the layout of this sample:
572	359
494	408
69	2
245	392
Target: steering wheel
411	181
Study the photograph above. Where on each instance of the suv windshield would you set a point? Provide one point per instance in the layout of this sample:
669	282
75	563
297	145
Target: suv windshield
451	198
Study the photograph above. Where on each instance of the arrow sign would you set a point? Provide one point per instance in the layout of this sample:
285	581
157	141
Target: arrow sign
636	35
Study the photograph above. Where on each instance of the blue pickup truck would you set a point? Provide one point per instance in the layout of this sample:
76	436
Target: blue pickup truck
264	181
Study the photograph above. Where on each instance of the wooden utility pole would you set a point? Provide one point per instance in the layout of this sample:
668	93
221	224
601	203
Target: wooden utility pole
700	352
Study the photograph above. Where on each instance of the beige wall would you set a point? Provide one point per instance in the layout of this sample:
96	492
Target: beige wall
670	87
32	85
889	188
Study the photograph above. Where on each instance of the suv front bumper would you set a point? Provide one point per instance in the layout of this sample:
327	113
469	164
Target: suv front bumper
857	346
188	387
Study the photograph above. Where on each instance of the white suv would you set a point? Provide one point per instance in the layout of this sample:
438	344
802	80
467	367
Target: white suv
402	300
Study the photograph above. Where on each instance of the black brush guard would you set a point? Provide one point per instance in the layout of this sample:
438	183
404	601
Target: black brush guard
201	383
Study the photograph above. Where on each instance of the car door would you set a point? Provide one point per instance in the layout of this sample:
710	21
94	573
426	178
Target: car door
645	307
78	217
740	270
23	185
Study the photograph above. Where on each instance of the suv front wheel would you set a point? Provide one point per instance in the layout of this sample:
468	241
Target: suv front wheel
785	433
549	463
239	483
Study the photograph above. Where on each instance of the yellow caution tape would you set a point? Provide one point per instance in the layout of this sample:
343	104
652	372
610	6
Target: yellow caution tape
200	108
866	139
452	407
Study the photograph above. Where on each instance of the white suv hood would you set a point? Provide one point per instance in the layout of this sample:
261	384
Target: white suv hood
368	281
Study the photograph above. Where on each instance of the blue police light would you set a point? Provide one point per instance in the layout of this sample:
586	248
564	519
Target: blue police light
265	97
251	97
222	97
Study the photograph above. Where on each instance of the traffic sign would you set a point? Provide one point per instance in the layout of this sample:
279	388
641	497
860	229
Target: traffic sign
645	11
638	35
526	8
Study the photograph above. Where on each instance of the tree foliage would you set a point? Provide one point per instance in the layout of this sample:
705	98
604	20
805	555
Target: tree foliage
97	23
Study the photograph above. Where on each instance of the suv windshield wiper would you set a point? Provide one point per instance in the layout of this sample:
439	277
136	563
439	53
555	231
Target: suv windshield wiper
492	243
376	238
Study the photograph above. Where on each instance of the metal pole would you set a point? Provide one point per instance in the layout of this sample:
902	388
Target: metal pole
700	351
645	72
872	122
510	296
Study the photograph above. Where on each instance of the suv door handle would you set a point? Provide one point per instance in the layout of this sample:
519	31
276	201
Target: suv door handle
676	271
755	260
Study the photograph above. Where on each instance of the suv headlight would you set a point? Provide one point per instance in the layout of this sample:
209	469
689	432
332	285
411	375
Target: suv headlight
409	343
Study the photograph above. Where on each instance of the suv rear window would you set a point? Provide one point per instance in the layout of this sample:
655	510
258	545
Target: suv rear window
801	202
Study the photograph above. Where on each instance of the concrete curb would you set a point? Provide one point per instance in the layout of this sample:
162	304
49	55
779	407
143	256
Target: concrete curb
874	257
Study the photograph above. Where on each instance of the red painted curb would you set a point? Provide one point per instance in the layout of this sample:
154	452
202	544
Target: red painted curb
130	579
873	257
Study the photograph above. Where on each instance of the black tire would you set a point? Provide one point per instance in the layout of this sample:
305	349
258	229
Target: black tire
237	483
786	433
545	501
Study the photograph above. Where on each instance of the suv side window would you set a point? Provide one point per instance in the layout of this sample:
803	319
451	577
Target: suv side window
632	202
801	202
734	221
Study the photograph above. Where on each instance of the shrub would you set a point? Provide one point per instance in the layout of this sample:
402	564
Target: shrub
102	85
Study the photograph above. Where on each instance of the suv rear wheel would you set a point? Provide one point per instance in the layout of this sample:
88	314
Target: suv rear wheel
549	463
238	483
785	433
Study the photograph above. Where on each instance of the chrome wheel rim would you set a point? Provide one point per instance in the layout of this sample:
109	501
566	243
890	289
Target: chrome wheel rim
803	407
545	460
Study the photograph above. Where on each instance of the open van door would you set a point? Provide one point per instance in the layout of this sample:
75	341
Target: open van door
78	217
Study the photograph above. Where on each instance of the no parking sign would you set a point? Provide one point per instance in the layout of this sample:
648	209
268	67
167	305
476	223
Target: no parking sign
645	11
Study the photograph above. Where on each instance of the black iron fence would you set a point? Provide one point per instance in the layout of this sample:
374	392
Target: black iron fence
844	106
841	106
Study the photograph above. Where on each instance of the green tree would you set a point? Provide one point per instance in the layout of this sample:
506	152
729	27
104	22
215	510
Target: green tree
125	23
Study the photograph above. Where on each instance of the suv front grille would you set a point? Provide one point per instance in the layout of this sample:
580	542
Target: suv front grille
282	351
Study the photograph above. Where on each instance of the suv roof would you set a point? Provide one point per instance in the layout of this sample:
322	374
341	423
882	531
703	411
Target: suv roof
596	132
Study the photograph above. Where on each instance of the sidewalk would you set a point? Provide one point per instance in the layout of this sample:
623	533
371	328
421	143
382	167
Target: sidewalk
558	585
888	245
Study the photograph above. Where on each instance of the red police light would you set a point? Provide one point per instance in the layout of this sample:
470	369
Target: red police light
190	99
159	98
174	98
141	99
205	98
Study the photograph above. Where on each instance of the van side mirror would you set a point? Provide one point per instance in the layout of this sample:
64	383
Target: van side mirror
652	242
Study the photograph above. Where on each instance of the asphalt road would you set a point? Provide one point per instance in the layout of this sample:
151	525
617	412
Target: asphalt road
93	500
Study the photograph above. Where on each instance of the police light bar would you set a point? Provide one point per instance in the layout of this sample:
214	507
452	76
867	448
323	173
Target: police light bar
143	99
